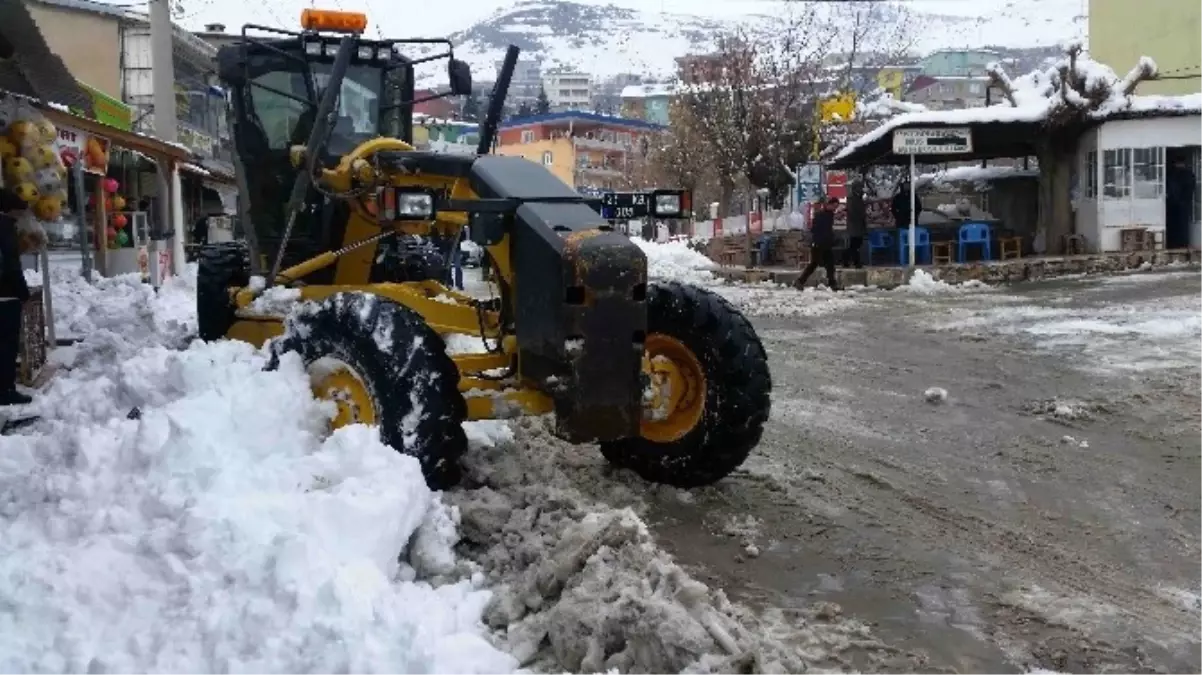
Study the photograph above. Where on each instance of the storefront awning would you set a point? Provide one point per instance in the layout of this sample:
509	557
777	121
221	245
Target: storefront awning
129	140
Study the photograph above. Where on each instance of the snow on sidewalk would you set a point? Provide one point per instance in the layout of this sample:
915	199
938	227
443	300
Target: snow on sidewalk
215	532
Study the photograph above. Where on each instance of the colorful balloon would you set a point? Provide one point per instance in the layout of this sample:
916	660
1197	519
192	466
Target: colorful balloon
120	221
111	185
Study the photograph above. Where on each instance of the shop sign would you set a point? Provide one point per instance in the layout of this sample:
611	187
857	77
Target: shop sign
73	144
201	144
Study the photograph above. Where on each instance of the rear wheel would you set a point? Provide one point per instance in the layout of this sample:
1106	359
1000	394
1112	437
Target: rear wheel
219	267
381	364
709	391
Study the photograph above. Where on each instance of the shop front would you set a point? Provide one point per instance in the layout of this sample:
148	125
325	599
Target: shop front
126	232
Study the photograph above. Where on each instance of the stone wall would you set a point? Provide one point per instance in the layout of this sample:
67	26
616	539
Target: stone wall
990	272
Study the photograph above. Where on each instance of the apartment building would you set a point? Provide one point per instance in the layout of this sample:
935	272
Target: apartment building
568	90
588	151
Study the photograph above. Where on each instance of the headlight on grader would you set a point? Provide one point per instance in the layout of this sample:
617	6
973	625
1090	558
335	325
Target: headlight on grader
667	206
414	206
397	204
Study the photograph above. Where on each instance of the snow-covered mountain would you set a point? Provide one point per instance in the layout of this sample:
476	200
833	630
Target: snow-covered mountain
607	40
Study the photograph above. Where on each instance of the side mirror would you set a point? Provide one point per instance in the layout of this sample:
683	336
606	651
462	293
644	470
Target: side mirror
460	74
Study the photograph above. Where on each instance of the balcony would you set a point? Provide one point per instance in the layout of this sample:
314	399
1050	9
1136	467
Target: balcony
599	170
598	144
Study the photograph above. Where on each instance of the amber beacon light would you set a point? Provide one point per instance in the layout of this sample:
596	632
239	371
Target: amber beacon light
331	21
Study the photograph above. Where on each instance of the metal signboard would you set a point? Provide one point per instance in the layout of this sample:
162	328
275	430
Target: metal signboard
625	205
932	141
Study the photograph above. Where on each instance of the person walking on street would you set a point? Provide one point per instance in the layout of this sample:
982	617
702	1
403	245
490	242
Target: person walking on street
822	245
857	223
13	294
1180	183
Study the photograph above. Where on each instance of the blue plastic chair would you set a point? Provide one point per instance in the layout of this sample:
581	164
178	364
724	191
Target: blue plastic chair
878	240
922	245
974	233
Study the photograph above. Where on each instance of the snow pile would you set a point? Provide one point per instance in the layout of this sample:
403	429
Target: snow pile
151	524
583	587
121	305
922	283
675	261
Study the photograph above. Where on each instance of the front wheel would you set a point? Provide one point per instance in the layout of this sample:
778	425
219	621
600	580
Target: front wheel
382	365
709	392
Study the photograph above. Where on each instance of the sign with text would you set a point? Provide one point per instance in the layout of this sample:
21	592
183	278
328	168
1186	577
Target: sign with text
624	205
932	141
73	144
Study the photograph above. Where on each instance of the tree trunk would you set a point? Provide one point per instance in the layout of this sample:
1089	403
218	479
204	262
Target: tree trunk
1055	193
726	195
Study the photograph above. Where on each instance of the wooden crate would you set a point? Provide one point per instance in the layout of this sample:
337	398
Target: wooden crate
33	339
792	250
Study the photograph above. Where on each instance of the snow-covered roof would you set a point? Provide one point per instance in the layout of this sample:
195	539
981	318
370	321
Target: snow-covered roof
974	174
1037	94
648	90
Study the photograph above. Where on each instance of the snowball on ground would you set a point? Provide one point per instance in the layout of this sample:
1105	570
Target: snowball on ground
202	538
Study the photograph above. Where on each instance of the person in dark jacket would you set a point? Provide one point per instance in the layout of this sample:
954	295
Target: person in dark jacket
200	231
901	205
822	244
1180	183
13	294
857	223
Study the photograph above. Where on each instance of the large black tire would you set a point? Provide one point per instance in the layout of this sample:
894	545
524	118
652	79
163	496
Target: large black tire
219	267
738	390
396	354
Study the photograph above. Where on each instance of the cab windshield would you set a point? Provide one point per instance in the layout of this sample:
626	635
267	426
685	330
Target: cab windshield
286	122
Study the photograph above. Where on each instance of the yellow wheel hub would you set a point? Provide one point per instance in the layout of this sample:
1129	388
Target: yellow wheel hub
674	401
334	380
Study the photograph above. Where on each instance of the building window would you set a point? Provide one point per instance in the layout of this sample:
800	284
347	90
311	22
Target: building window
1116	173
624	138
527	135
548	158
1091	174
976	88
1147	173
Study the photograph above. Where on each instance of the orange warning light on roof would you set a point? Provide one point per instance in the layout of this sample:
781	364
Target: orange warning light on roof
332	21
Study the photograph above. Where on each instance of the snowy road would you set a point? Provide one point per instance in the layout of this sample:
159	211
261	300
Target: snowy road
1046	515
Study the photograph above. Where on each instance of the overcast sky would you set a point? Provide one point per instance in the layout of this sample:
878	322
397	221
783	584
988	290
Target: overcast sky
413	18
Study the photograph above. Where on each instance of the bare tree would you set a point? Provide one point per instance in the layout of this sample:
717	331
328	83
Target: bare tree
1074	90
756	117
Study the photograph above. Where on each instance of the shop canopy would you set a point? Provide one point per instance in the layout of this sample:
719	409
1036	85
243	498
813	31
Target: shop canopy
992	139
129	140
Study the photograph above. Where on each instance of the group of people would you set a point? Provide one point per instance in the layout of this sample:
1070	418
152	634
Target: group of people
822	230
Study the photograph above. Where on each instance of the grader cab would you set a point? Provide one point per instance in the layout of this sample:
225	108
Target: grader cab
670	380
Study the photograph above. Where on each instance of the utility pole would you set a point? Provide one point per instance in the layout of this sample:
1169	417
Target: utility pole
162	76
163	71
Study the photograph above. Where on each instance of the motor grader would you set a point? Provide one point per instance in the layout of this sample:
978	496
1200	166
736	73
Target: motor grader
668	379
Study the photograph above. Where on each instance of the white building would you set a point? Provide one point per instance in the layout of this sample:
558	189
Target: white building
568	90
526	82
1122	166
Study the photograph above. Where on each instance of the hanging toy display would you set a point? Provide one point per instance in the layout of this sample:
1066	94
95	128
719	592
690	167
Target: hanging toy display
32	168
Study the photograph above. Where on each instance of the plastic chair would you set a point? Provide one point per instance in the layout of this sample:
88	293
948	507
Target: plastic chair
878	240
922	245
974	233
